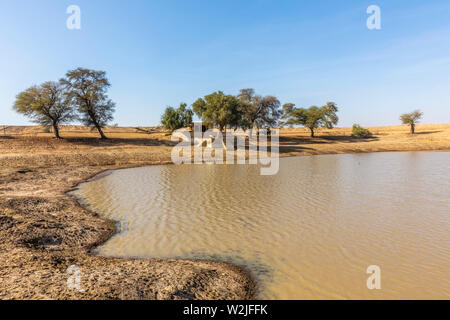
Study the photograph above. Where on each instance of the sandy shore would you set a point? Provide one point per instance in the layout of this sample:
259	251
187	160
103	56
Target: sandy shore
43	231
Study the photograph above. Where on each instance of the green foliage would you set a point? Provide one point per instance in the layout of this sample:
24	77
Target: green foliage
258	111
360	132
411	119
246	110
46	105
313	117
86	90
286	110
219	110
175	119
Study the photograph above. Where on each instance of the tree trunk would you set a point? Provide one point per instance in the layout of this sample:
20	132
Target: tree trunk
102	135
221	128
413	128
56	131
96	125
312	132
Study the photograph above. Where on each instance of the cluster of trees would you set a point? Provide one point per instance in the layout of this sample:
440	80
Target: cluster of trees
248	110
80	95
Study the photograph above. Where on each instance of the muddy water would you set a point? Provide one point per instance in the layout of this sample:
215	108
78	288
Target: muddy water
309	232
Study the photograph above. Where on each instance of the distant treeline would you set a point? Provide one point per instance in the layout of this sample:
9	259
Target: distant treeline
82	95
248	110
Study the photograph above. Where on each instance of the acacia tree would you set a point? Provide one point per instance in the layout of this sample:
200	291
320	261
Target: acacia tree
412	119
175	119
218	110
314	117
286	110
258	111
46	105
86	90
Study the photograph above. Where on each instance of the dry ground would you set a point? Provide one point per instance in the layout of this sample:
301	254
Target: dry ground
43	231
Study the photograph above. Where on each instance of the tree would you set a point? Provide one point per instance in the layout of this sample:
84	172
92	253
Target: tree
45	105
314	117
412	119
86	90
175	119
218	110
286	110
258	111
186	115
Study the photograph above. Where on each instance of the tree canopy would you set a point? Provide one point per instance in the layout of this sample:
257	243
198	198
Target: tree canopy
286	110
313	117
218	110
86	90
175	119
258	111
46	105
246	110
412	119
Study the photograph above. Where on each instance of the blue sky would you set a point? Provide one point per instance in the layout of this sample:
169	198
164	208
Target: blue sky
160	53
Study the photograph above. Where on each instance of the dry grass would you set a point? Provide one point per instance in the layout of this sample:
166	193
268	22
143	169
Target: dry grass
388	138
31	146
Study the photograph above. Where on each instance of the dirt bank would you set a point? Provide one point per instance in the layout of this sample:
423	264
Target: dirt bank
43	231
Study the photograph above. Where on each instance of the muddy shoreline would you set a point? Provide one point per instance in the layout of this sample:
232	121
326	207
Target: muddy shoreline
44	231
39	252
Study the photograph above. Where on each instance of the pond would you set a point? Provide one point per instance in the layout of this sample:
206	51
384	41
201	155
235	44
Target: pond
309	232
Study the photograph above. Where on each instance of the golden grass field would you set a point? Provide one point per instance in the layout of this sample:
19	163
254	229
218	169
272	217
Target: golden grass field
43	231
33	146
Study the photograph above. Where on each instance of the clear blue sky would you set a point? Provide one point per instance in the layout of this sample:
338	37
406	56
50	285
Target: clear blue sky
160	53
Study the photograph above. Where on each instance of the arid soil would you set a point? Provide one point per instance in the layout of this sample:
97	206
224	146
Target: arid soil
44	232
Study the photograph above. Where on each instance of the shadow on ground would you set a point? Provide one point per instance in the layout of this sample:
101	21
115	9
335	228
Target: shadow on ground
427	132
323	140
119	142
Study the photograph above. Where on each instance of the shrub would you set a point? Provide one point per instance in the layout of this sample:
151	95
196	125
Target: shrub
360	132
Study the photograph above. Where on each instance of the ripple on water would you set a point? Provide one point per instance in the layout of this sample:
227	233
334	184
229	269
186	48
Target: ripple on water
309	232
